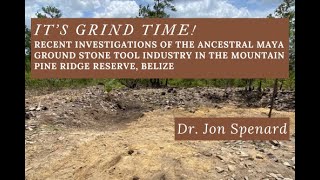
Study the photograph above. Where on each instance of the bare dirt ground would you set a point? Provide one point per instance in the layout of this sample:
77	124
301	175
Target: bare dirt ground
129	134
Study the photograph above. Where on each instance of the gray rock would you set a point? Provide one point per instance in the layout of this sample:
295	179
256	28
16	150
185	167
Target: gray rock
220	157
280	176
243	154
272	157
32	108
28	115
259	156
286	164
275	143
219	169
206	153
250	171
231	168
293	160
273	175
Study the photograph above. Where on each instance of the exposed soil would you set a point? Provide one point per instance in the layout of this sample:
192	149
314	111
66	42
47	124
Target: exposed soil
129	134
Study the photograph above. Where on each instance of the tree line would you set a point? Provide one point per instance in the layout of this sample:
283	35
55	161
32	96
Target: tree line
161	9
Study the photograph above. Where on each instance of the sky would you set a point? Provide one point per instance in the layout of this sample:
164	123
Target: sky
129	8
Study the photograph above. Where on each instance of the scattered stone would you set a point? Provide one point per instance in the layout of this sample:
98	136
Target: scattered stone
27	169
275	143
219	169
220	157
250	171
246	178
243	154
231	168
155	100
184	176
261	150
248	165
60	138
29	142
32	108
293	160
120	106
217	106
273	175
280	176
206	153
135	178
160	176
28	115
29	128
286	164
163	93
259	156
272	157
130	151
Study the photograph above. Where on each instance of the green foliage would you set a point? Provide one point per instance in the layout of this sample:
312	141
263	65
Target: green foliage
27	42
27	45
287	10
158	10
49	12
109	84
112	84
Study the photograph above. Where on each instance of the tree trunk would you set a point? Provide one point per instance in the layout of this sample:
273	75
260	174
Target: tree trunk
166	82
250	84
274	94
260	86
281	85
155	83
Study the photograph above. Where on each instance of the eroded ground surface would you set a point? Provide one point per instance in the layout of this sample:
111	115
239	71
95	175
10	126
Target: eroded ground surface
129	134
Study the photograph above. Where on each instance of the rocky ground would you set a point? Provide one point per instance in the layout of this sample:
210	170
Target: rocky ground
129	134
